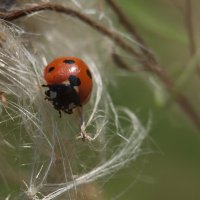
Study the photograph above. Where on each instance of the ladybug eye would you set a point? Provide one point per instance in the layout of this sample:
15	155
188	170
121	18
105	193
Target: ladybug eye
89	73
51	69
69	61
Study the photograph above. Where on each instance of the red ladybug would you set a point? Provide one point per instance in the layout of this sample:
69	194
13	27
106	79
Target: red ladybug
69	83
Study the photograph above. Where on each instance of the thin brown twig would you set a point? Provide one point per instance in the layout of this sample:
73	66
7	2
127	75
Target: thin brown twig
153	67
121	64
182	101
190	30
132	30
150	61
150	64
16	14
189	26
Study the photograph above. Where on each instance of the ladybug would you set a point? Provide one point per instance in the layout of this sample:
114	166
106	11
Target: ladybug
69	83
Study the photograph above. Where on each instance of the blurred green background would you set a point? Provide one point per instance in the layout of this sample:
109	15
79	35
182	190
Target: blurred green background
170	166
171	170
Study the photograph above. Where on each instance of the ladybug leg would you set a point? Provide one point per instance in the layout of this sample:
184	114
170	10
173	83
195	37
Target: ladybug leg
60	114
47	93
68	111
47	98
83	134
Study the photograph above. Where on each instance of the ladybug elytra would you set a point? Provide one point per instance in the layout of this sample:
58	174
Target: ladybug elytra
69	83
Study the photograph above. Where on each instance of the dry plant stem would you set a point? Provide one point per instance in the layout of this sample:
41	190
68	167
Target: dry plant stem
15	14
189	26
181	100
121	64
131	29
150	64
179	97
190	30
150	61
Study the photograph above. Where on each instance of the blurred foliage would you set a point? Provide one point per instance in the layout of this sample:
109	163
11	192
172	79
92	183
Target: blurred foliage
171	169
170	166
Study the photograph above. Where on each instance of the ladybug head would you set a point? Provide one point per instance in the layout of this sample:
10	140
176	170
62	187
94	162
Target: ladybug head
63	97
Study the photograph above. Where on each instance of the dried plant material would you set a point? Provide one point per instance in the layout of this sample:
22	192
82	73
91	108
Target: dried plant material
141	53
51	162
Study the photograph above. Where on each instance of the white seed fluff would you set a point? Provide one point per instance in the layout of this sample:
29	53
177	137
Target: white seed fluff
39	149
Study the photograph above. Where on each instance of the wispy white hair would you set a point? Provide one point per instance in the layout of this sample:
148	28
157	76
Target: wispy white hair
50	160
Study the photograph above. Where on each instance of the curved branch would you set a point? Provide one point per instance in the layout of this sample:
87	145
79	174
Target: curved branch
150	64
16	14
131	29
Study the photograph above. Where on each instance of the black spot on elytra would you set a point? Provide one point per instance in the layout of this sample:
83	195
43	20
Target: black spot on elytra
89	73
69	61
74	81
51	69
